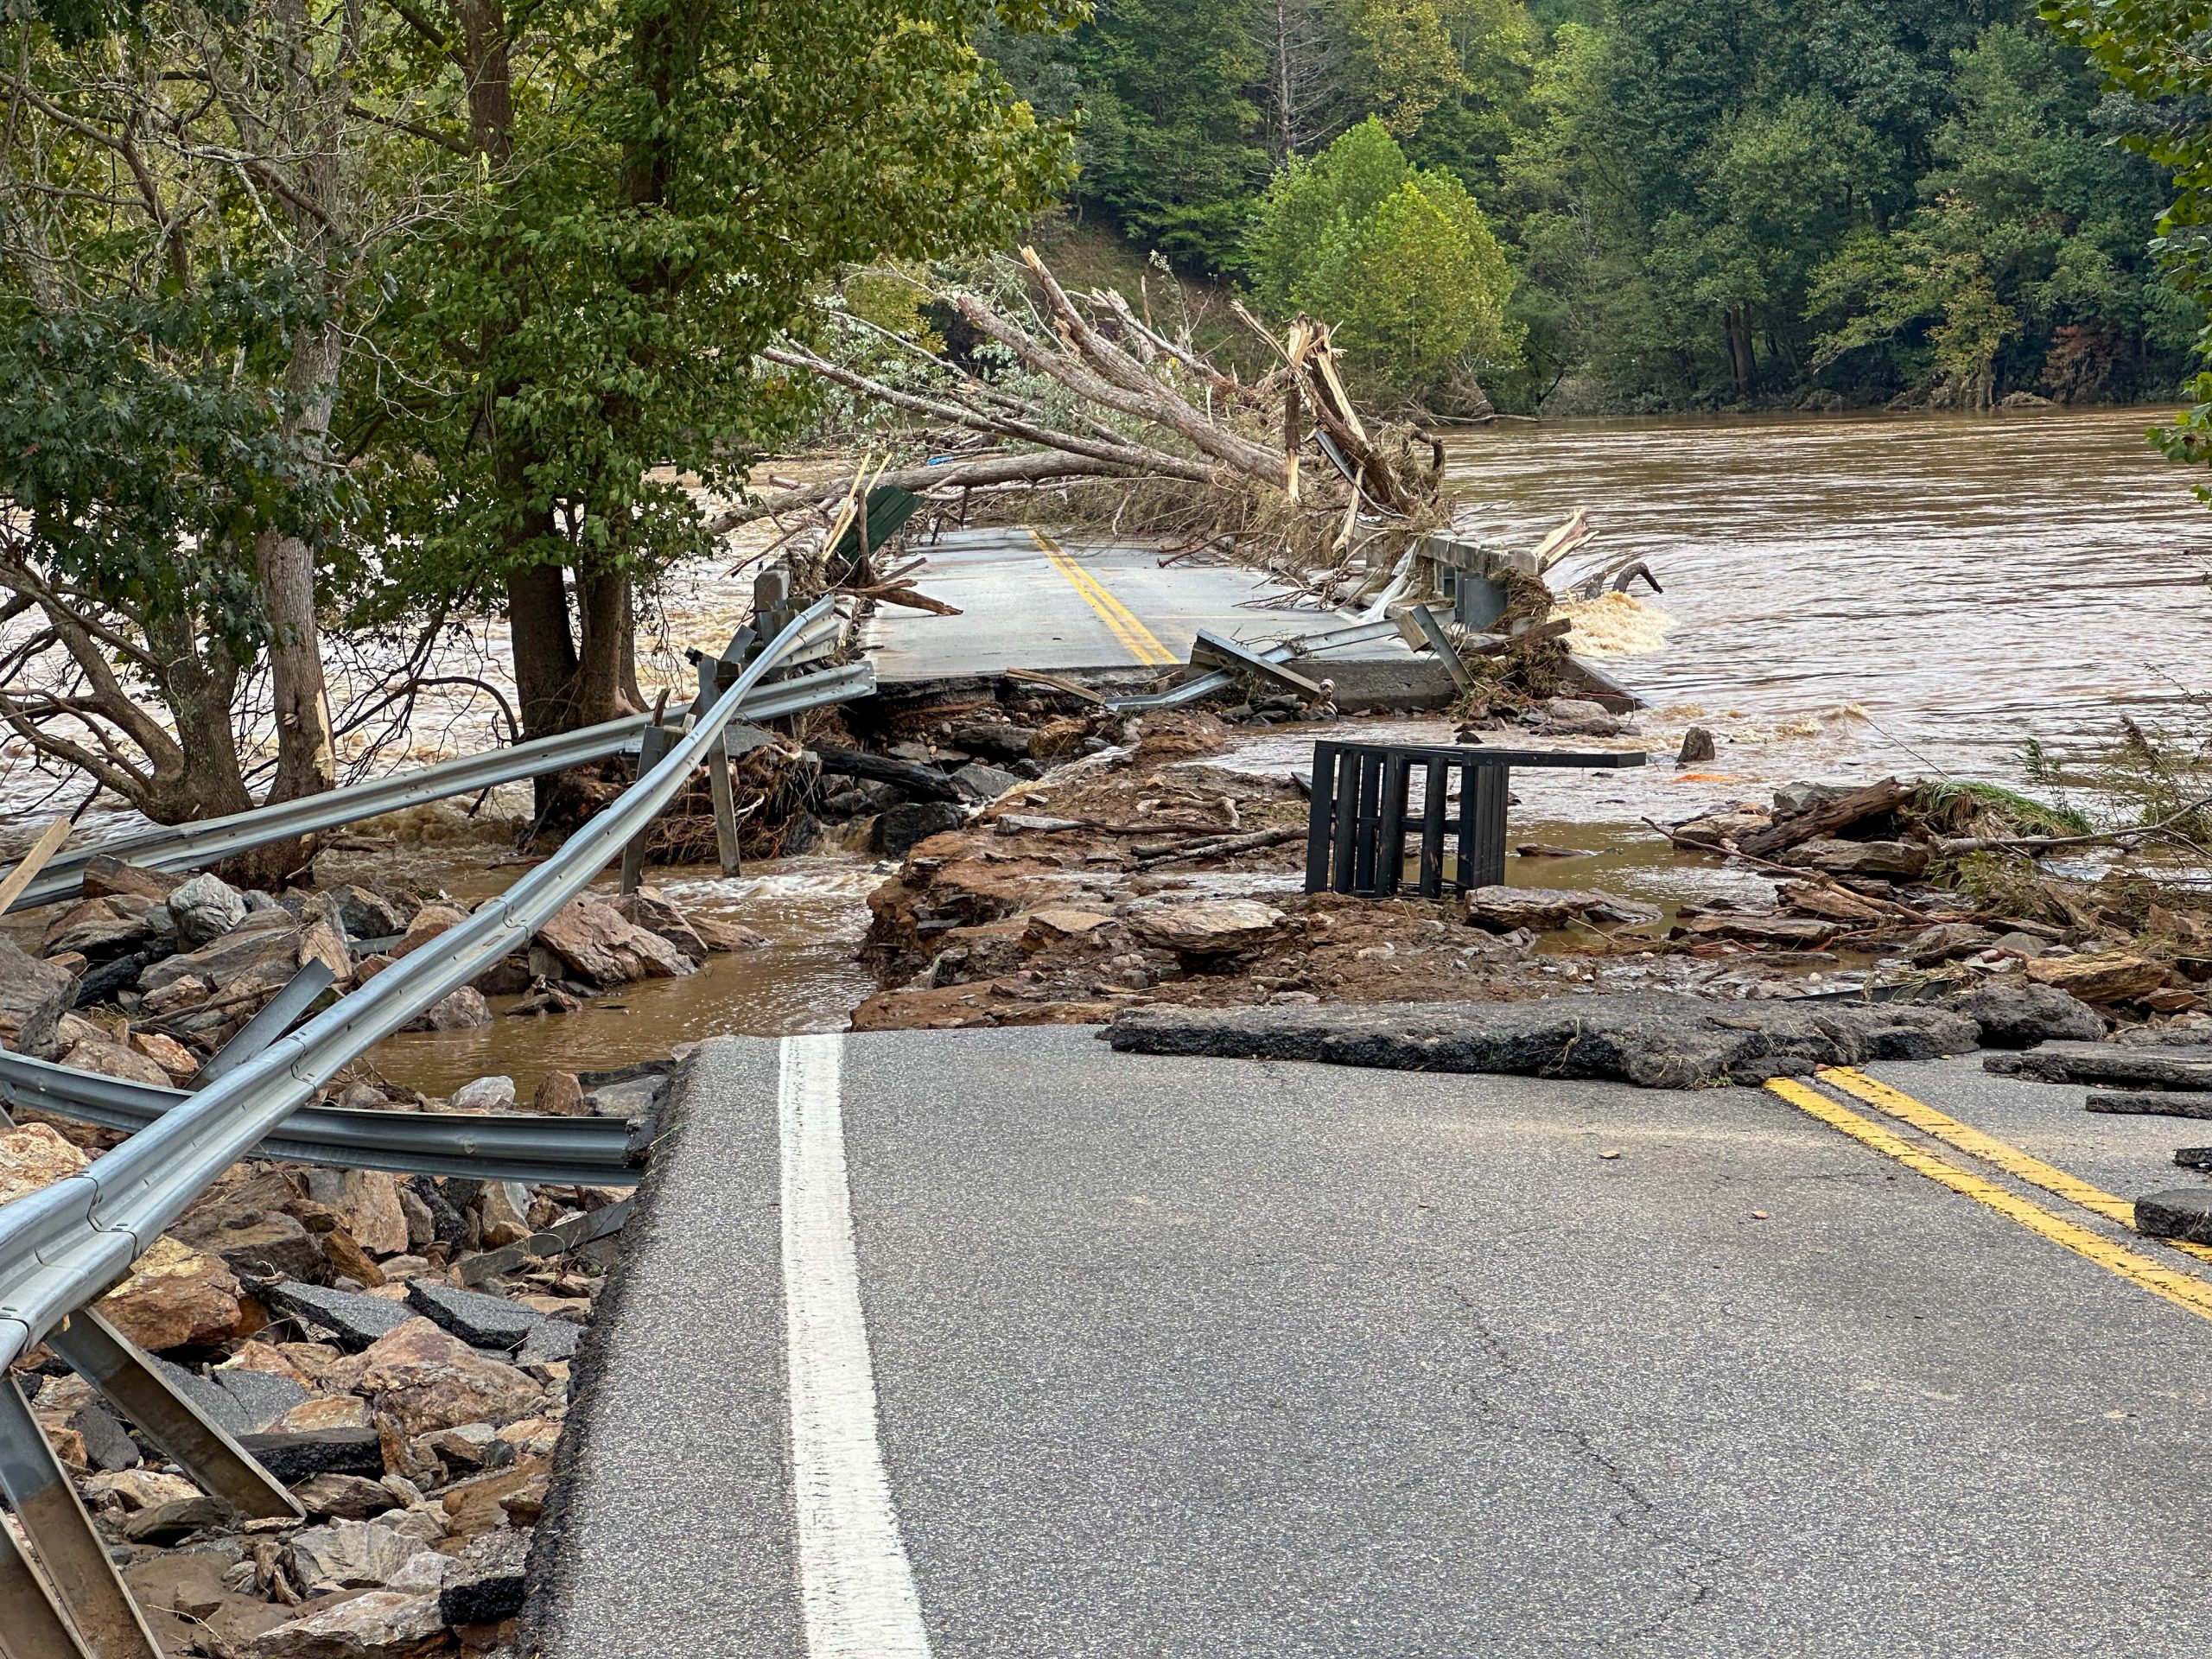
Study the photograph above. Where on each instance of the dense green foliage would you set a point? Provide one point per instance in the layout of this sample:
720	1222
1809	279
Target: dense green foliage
2152	53
1398	257
1703	201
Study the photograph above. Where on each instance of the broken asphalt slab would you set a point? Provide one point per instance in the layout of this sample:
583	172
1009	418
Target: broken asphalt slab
1650	1039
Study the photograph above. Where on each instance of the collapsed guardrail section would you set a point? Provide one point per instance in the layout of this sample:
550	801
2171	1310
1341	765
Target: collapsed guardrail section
63	1247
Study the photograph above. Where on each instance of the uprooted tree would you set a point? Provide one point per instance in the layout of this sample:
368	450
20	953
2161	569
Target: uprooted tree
1133	423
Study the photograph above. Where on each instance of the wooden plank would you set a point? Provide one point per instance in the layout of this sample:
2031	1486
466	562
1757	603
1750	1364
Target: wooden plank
26	871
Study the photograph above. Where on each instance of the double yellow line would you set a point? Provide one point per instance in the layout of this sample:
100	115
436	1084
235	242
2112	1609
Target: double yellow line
1136	638
2182	1289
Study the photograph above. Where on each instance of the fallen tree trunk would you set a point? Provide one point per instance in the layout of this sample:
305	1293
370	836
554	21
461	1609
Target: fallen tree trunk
925	781
1825	819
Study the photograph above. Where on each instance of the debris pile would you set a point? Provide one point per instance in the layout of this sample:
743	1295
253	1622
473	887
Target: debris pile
397	1351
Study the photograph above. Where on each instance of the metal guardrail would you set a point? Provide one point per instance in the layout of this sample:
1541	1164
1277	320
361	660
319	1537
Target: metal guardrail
64	1245
1290	651
193	846
518	1147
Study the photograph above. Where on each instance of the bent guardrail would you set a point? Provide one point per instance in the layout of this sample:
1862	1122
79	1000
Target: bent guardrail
209	841
67	1243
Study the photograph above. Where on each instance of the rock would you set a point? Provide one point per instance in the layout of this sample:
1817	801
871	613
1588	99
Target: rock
113	1060
347	1555
485	1581
1210	927
297	1455
504	1212
648	909
1789	932
1791	799
1903	859
2183	1213
343	1498
185	991
107	876
1653	1039
34	994
108	1443
356	1320
1716	828
379	1624
1501	909
723	936
263	950
141	1489
559	1095
479	1505
2105	976
425	926
632	1098
1947	941
899	830
1051	922
179	1064
598	943
174	1295
995	742
173	1523
982	782
33	1155
333	1411
1059	737
367	1204
369	915
427	1379
2020	1016
1697	747
259	1243
479	1319
463	1008
204	908
99	930
492	1094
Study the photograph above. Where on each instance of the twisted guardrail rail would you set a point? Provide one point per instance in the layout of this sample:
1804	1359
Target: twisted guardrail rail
63	1247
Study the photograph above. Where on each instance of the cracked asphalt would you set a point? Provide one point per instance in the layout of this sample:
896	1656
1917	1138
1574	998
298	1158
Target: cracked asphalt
1208	1358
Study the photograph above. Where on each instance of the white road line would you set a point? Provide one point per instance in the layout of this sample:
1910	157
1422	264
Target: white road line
855	1585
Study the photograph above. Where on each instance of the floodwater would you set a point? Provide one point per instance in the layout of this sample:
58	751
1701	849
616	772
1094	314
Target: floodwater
1856	596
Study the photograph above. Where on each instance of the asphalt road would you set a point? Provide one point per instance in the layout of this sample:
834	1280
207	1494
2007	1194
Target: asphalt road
1037	599
1201	1358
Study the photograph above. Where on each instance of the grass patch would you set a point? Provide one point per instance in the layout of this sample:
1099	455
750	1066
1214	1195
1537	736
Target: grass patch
1993	809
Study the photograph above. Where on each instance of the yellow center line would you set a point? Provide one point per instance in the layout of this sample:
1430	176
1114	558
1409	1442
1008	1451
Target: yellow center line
1136	638
2181	1289
2024	1166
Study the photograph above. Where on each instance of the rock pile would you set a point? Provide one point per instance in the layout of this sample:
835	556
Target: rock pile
389	1347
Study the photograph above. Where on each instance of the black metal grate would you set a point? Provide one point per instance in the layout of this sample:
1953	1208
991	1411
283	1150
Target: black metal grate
1356	832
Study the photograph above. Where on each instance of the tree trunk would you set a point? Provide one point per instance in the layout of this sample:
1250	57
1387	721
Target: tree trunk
544	650
1741	359
609	628
307	756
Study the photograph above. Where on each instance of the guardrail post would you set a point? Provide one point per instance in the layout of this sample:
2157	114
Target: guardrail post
75	1558
31	1626
108	1360
653	743
718	780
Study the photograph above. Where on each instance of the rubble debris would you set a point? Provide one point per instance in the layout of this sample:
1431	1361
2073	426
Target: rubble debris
2174	1105
2107	1063
2183	1213
1653	1039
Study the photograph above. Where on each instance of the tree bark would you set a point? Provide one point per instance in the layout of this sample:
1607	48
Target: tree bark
306	756
544	651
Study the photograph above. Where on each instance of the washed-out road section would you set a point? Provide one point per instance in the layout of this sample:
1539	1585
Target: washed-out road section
1128	1356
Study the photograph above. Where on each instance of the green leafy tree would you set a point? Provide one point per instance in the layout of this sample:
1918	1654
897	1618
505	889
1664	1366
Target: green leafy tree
1397	259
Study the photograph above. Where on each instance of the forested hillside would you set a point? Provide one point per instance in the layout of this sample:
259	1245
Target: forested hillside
1701	203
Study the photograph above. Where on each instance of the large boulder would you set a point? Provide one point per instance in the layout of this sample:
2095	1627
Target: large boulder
596	942
263	948
100	930
647	909
901	828
34	994
2103	977
1210	927
426	1379
205	908
114	1060
348	1555
1658	1040
174	1296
